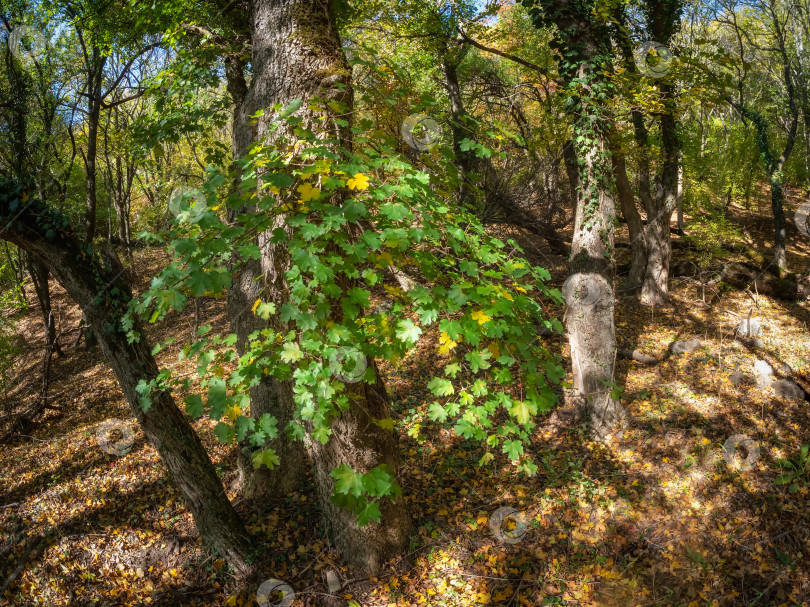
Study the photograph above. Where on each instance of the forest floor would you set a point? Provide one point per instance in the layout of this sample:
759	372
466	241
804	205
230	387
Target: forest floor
654	516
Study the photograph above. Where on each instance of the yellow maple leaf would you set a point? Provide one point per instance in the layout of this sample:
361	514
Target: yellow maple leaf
384	259
255	305
233	412
494	350
308	192
447	344
480	316
358	182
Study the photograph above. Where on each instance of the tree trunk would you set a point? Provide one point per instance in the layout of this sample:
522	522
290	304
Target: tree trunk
95	77
778	210
268	396
466	161
631	215
297	55
571	169
584	44
39	278
655	290
679	196
103	297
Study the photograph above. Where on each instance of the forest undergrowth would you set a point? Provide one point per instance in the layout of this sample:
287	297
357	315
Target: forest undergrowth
657	515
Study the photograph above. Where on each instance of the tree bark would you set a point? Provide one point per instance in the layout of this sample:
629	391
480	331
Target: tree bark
466	161
268	396
631	216
103	297
655	290
95	76
297	55
664	21
584	45
39	278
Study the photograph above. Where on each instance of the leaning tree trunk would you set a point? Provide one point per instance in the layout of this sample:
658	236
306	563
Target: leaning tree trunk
584	45
103	296
297	55
466	160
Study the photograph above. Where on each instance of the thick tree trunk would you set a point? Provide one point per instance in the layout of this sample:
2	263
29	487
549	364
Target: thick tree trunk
361	443
297	55
631	216
268	396
93	285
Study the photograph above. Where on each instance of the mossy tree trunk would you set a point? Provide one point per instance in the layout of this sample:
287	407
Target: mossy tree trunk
583	42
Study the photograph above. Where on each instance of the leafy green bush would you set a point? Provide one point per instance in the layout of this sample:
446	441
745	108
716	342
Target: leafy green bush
349	217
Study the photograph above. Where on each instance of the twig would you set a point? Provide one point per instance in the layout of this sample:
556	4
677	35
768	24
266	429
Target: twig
32	547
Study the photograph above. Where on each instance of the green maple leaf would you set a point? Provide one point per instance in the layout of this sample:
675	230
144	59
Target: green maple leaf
347	481
378	481
194	405
369	512
437	413
440	386
513	448
408	332
265	457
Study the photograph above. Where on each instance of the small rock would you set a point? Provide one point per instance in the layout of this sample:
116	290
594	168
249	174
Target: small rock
784	369
764	373
332	581
384	307
737	378
787	388
752	328
688	346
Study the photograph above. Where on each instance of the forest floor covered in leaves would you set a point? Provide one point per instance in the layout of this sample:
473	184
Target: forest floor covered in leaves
654	516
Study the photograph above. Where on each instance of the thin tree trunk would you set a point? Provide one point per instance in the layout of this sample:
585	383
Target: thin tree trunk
95	77
679	195
632	216
466	161
103	297
38	272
